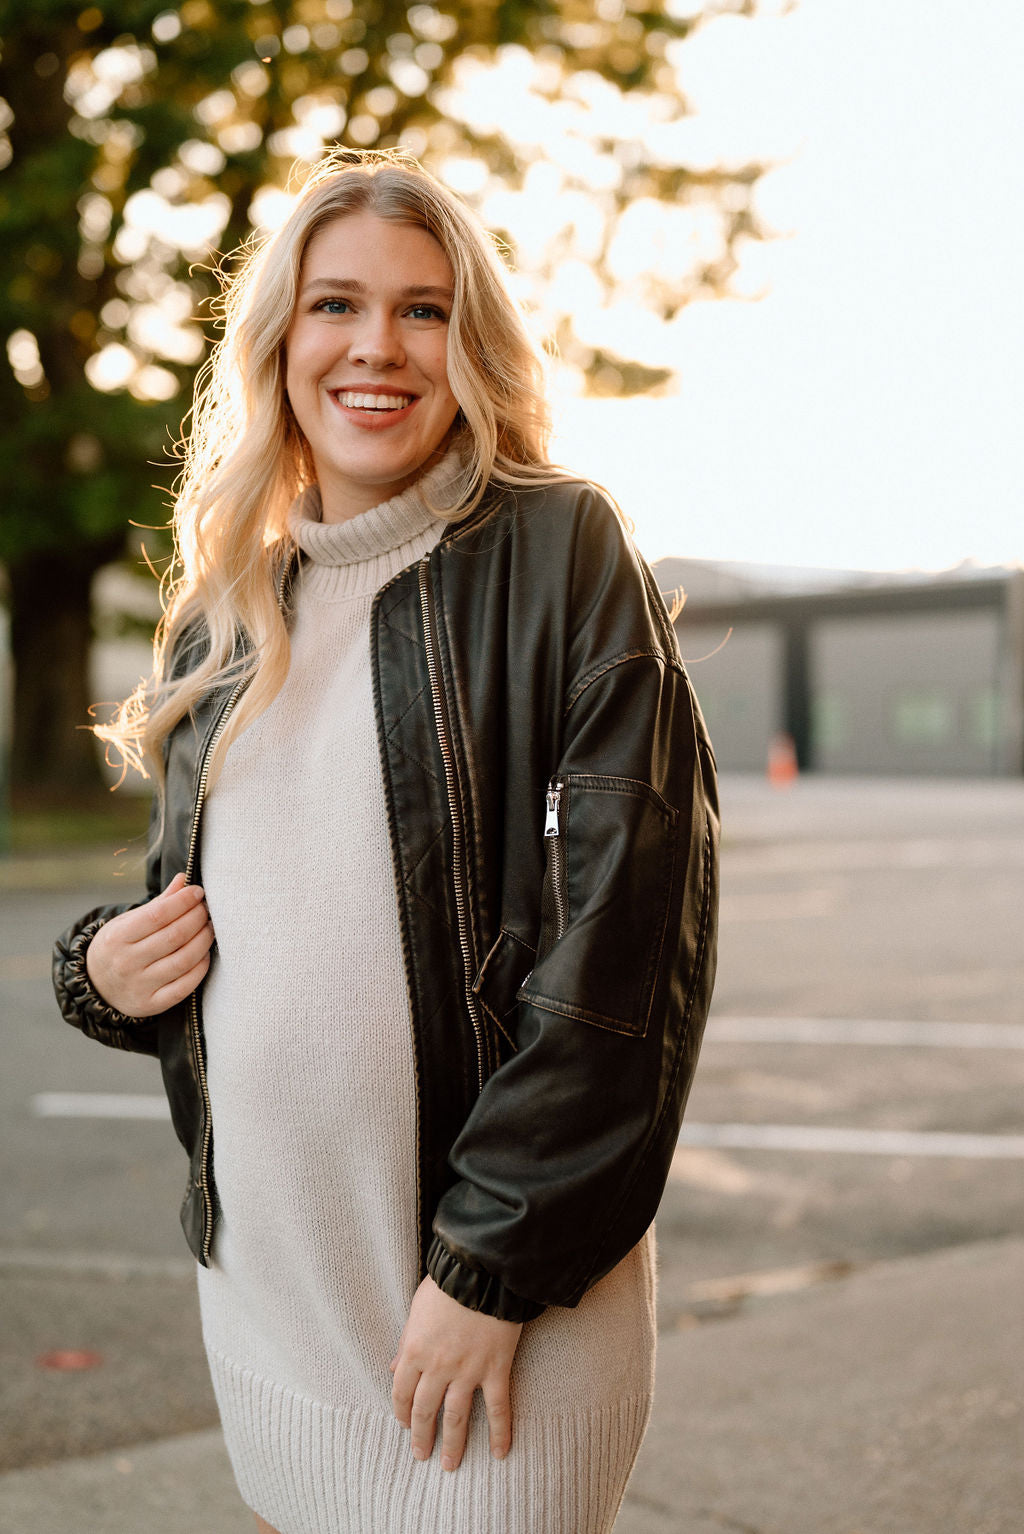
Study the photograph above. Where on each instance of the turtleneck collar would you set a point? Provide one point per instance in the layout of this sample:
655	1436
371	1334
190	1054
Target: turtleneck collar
380	530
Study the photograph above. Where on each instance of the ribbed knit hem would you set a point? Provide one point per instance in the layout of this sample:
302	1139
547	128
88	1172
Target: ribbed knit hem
308	1468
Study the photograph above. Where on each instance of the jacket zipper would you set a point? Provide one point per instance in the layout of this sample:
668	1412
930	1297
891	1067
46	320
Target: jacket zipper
198	1051
448	757
554	843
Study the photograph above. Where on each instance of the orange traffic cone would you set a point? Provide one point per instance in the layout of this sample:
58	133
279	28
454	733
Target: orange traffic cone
782	764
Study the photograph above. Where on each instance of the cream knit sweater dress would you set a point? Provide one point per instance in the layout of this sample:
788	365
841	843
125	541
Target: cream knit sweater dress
310	1070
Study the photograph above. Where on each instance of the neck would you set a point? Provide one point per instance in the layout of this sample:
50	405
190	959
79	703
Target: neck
340	502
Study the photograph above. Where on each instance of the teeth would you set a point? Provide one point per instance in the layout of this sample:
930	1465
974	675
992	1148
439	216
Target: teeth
352	401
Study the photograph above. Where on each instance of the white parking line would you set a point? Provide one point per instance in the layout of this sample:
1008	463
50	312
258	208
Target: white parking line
107	1265
859	856
99	1105
859	1142
815	1030
785	1137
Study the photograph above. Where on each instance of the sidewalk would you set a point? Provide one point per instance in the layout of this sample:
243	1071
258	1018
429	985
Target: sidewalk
885	1403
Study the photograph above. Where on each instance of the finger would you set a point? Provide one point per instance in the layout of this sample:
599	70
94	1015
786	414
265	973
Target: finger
169	939
170	995
499	1414
403	1389
166	908
454	1426
426	1404
165	971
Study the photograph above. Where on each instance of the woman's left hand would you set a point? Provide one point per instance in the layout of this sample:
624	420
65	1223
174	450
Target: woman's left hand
445	1353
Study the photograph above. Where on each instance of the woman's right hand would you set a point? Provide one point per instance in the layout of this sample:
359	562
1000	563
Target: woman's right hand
149	958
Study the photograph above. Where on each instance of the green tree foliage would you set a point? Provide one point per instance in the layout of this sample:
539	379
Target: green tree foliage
138	139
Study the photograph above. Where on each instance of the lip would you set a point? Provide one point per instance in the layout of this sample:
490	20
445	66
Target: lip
375	421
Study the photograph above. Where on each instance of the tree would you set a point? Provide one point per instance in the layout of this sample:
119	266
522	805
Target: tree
138	138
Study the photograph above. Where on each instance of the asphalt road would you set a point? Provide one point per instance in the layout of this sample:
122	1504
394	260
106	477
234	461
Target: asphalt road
869	902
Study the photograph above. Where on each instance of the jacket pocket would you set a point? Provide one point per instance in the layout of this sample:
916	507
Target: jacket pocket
610	846
499	978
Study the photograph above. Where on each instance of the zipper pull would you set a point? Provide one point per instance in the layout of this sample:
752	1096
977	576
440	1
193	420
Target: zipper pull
553	797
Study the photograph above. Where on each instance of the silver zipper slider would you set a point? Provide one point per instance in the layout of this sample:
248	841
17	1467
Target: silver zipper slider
554	797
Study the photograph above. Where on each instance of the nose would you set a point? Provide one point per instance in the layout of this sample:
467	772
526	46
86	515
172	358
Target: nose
377	342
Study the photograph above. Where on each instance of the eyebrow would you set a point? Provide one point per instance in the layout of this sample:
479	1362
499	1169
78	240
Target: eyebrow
352	286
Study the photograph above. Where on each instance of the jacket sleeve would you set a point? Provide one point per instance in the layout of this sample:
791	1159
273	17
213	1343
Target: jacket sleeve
563	1160
80	1003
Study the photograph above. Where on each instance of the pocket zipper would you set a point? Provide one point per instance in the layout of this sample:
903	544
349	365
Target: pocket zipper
554	843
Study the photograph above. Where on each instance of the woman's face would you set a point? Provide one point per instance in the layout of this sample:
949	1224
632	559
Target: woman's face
367	359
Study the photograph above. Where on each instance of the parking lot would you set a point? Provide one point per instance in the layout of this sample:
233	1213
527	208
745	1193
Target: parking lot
839	1242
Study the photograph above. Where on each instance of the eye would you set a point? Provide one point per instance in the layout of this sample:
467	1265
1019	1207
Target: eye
333	306
427	312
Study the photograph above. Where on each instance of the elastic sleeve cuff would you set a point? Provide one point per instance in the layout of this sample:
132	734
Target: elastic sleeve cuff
475	1289
76	994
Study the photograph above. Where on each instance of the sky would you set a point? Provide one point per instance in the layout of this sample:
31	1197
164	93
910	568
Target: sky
859	404
866	413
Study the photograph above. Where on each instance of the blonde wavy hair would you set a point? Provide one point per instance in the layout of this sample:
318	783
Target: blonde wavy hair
245	459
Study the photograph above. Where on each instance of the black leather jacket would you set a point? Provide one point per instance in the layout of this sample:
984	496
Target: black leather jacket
553	820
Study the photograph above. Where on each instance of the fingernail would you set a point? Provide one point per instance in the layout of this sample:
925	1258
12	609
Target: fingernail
419	1453
447	1463
499	1453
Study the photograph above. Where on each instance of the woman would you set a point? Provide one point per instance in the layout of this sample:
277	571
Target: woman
432	772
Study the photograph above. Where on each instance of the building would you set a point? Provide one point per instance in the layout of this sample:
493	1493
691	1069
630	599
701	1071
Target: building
887	674
868	673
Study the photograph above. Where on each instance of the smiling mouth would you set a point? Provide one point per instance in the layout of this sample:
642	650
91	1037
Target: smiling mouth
350	400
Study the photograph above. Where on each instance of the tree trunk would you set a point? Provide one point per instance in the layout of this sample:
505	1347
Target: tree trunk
53	752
